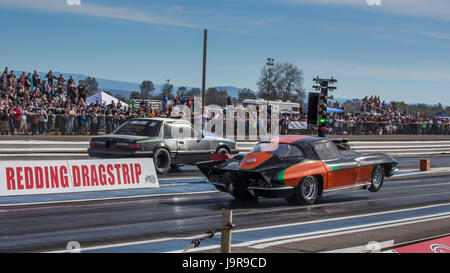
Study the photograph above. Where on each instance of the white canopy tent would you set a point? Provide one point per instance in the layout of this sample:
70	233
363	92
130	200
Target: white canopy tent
102	97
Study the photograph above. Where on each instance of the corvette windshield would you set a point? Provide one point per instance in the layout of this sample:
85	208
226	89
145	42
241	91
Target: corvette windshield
279	149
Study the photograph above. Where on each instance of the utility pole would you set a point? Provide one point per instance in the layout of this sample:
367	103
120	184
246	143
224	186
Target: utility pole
205	42
323	102
270	63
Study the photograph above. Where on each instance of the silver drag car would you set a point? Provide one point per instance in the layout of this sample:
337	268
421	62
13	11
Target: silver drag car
158	138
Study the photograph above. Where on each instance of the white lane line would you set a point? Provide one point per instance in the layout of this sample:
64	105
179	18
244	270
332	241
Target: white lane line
402	147
256	229
400	142
422	186
127	244
342	231
344	218
369	247
269	242
105	199
403	173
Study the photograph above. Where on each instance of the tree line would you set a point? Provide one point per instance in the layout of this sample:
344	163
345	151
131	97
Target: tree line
277	81
281	81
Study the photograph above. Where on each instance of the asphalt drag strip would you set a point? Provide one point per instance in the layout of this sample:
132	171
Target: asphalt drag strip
260	238
136	224
168	186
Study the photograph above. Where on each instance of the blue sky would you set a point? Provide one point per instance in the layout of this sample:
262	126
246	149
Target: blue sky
398	50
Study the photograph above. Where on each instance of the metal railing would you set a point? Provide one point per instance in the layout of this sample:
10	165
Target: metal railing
33	148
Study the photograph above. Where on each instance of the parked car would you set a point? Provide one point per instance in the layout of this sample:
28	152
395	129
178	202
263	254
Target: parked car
298	168
158	138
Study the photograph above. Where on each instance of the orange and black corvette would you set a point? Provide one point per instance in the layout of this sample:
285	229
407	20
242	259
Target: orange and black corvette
298	168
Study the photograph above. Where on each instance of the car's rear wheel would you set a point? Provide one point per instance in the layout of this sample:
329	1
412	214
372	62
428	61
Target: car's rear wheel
306	192
377	179
162	160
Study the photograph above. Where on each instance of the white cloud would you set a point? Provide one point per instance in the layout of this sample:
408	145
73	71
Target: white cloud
73	2
266	21
428	71
177	8
435	9
122	13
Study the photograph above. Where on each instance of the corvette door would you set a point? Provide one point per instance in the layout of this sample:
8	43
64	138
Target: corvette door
341	171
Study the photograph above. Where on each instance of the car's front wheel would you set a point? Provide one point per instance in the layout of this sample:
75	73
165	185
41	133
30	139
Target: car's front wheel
377	179
162	160
306	192
222	151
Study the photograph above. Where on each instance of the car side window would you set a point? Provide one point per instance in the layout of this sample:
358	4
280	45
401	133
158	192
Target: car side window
326	150
168	130
182	130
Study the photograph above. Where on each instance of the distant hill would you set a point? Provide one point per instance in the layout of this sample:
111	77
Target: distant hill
102	83
125	88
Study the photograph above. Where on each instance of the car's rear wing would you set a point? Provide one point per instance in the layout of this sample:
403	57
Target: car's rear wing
342	144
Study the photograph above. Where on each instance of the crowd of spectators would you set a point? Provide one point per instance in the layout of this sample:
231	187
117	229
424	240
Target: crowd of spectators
32	105
376	117
55	105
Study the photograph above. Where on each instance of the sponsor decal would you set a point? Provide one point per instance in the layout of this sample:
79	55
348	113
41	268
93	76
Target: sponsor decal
251	160
441	245
150	179
297	125
44	177
438	248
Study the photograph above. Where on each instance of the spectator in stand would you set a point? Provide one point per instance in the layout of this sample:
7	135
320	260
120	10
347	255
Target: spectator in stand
93	118
4	82
50	78
70	121
34	121
28	82
12	79
36	80
4	122
61	82
25	121
108	122
82	91
42	121
50	121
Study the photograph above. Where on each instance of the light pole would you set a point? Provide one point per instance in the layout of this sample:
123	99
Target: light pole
205	42
269	63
